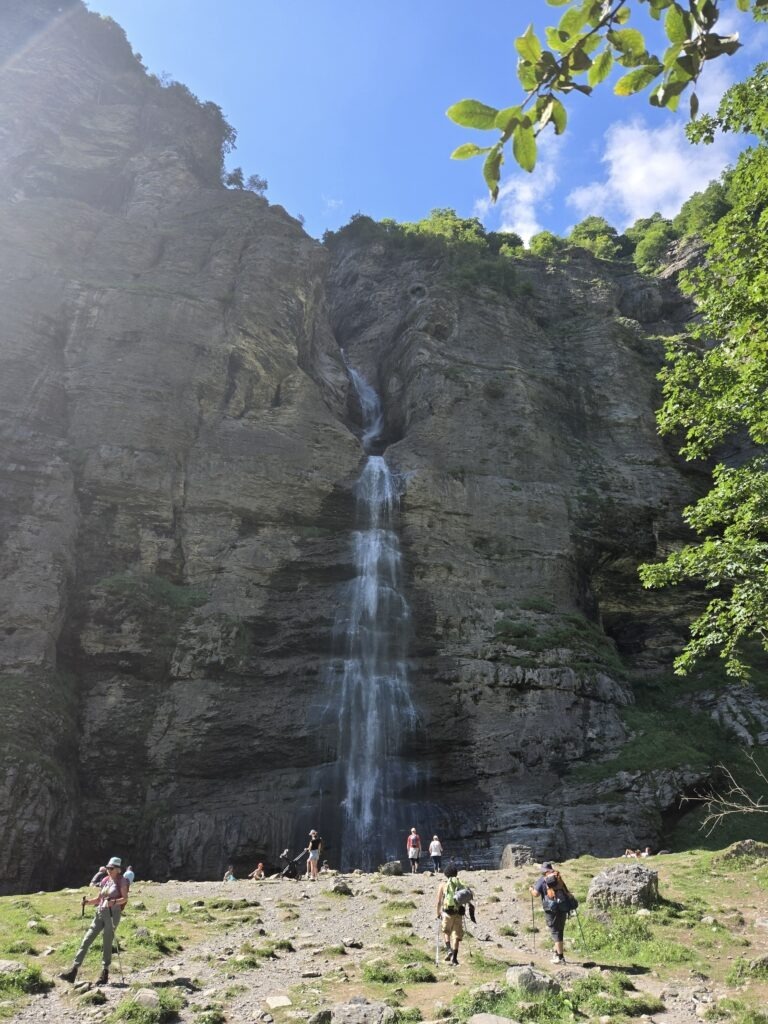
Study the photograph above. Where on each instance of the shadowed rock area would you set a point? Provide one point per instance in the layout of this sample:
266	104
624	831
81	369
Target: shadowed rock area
181	441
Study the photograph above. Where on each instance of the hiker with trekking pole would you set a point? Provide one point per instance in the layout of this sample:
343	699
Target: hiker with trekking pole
557	903
109	903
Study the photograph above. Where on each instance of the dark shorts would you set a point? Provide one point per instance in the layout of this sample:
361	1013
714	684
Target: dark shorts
556	923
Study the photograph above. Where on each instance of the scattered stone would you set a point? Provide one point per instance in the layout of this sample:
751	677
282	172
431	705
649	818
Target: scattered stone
10	966
321	1017
707	919
48	951
173	908
311	974
528	979
277	1002
490	988
352	943
340	887
138	905
93	997
360	1011
146	997
624	885
643	912
33	925
490	1018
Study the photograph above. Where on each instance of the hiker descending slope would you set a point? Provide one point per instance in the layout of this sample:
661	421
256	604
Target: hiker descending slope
453	898
557	902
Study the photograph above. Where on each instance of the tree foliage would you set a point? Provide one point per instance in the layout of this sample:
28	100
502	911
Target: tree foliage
577	54
716	393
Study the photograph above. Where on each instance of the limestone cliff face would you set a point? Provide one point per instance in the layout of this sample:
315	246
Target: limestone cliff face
180	448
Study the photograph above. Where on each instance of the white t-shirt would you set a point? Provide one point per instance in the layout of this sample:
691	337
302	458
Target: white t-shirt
435	849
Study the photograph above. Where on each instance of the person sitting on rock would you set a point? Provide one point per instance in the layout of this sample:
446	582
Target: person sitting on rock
229	874
258	872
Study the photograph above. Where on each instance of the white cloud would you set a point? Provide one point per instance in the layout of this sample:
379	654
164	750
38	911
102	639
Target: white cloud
332	204
524	197
650	169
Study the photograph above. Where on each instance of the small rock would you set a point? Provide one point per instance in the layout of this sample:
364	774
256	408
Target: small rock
643	912
708	919
173	908
311	974
146	997
33	925
10	966
321	1017
352	943
48	951
277	1002
138	905
340	887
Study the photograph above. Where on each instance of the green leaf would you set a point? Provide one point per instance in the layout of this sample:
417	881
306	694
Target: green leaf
559	116
695	103
507	118
524	147
544	107
528	46
492	170
743	5
526	74
467	150
628	41
676	25
601	68
579	61
573	21
558	3
636	80
473	114
557	41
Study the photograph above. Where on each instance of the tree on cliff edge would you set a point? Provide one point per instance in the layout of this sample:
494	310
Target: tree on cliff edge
717	392
716	380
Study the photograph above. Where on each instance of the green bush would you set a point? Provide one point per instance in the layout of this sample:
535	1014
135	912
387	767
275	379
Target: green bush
27	981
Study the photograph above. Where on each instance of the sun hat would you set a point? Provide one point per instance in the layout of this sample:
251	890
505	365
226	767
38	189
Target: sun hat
546	866
114	862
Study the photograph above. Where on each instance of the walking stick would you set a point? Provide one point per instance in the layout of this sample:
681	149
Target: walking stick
578	921
533	925
117	944
437	941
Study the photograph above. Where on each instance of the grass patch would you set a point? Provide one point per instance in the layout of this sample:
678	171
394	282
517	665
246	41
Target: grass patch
414	974
399	905
27	981
168	1010
380	973
628	938
607	995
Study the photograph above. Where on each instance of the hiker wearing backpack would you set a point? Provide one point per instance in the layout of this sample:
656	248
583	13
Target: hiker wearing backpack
557	902
453	897
109	903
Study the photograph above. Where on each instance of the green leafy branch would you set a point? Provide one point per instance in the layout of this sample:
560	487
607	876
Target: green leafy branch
591	37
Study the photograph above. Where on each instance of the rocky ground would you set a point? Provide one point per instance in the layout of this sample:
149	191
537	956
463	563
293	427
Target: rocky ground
323	949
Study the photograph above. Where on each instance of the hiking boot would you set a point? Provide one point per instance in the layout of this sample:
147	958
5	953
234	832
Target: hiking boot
558	958
448	956
103	978
455	958
69	975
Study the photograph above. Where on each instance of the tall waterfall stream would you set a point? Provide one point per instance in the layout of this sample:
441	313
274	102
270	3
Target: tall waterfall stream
368	676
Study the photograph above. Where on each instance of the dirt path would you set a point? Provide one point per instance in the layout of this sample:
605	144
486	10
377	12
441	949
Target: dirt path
317	922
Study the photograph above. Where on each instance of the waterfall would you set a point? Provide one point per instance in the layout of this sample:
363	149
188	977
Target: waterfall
368	679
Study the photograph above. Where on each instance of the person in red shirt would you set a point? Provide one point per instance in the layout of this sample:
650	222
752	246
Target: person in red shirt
109	903
413	849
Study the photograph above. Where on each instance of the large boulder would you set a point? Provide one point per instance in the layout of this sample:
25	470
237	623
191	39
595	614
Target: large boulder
392	867
748	849
529	980
516	856
625	885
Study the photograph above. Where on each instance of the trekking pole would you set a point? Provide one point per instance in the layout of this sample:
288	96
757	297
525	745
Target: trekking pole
581	930
437	941
116	944
533	925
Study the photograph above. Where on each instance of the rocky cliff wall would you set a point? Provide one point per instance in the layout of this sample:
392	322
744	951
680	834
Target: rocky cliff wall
181	447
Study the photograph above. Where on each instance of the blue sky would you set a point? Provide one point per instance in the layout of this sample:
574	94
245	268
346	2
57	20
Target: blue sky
341	106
